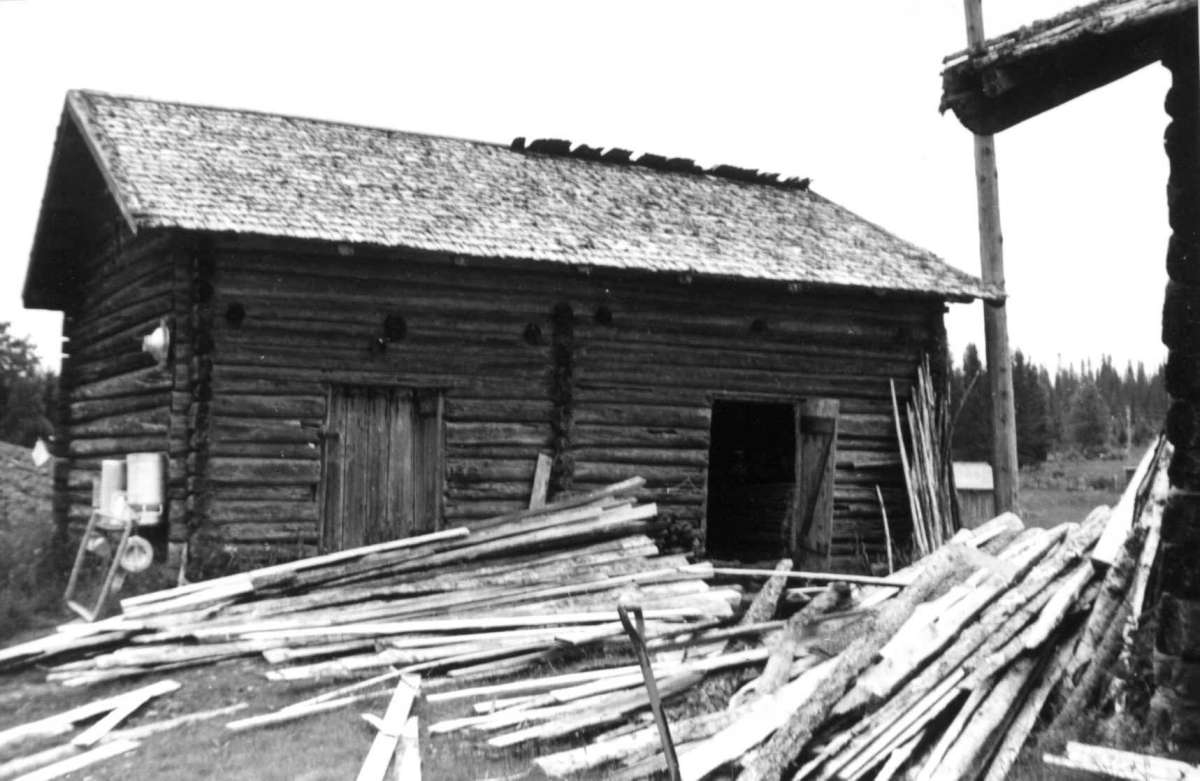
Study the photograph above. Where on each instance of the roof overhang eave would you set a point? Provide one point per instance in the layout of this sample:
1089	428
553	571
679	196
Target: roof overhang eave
991	91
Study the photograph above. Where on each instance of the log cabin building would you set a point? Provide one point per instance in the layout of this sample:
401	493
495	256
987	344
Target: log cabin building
375	333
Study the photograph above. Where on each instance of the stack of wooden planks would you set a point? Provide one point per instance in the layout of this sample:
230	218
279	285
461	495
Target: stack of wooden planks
945	678
513	591
938	671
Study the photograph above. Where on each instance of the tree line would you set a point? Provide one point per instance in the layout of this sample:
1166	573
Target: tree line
1088	408
27	391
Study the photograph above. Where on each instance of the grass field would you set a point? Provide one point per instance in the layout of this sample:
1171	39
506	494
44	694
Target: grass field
1068	489
332	745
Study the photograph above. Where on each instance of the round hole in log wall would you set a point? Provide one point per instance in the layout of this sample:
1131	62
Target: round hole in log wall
395	327
758	326
235	313
603	315
532	334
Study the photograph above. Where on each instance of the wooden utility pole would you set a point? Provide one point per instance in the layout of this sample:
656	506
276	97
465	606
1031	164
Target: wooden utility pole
995	316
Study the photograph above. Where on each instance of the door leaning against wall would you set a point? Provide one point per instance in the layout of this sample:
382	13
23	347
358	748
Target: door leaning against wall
381	476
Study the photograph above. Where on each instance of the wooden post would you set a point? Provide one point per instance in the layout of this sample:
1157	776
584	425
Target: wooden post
995	316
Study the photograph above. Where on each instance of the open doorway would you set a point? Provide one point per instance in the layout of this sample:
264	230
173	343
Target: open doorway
751	479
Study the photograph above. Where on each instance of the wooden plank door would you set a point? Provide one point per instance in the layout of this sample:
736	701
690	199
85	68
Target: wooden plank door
381	477
816	458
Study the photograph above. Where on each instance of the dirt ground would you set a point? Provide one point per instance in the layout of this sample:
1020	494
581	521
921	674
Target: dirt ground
324	746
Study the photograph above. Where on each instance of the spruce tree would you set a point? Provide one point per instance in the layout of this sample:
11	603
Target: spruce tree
972	433
1032	412
1089	419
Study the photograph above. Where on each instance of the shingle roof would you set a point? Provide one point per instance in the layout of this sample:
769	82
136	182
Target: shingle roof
212	169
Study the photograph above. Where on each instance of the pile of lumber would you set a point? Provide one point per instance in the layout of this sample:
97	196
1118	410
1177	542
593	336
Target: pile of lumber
938	671
509	593
944	678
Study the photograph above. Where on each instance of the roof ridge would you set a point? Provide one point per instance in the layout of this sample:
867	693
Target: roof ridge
538	146
282	115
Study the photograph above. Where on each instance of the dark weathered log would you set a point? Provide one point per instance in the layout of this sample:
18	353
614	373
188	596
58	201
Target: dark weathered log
299	533
228	511
152	424
461	408
263	470
83	411
643	455
142	381
235	431
231	406
265	493
104	446
531	434
646	415
596	472
298	450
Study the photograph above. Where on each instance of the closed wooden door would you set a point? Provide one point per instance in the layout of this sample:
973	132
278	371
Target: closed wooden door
381	477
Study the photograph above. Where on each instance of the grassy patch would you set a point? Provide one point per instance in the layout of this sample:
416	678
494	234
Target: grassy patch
1067	489
30	579
325	746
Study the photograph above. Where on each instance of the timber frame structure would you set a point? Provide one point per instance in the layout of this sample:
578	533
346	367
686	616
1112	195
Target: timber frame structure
1036	68
376	333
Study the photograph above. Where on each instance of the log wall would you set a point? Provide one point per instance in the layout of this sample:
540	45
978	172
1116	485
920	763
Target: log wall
286	326
613	375
647	376
1175	706
114	398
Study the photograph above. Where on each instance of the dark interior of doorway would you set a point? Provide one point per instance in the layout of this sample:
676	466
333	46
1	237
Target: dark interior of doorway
751	479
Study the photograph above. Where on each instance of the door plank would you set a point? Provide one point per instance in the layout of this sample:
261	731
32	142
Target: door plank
815	462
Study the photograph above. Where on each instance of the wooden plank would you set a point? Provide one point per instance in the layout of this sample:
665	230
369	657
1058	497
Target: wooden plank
408	760
379	756
93	734
541	481
1122	764
751	725
63	722
80	761
1120	523
816	456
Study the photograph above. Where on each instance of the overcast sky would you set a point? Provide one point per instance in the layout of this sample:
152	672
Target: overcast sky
844	92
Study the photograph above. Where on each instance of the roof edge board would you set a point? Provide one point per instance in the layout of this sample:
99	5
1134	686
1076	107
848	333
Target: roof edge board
102	162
